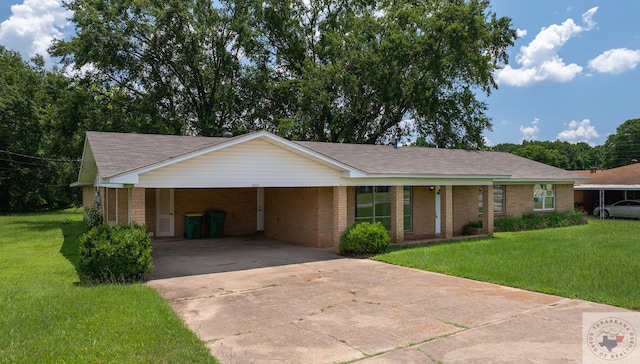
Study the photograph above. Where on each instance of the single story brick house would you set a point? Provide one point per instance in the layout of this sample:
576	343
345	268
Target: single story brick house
607	186
309	192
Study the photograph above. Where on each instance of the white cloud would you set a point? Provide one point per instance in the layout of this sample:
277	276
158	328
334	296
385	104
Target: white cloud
530	132
539	60
579	131
616	61
521	33
33	25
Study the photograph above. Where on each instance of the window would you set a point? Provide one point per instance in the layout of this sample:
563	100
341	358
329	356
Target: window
544	196
373	204
498	199
406	203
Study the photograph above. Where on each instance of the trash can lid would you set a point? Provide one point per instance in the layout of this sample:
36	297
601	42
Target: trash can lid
193	214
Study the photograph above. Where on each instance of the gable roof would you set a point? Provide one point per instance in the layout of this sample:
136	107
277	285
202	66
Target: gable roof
114	155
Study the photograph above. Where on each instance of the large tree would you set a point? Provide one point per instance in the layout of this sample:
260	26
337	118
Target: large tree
370	71
623	146
33	172
333	70
177	60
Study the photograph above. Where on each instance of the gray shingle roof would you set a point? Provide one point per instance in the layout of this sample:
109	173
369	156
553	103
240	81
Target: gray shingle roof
379	159
117	153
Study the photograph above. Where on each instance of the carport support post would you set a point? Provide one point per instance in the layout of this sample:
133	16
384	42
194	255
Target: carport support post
397	214
446	205
487	210
339	215
137	205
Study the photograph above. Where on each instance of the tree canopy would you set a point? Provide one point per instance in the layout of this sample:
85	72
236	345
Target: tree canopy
579	156
624	145
321	70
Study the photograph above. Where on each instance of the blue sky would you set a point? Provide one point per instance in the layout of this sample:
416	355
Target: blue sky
573	74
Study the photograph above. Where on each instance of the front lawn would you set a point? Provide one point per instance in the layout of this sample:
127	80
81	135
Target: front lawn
598	262
47	316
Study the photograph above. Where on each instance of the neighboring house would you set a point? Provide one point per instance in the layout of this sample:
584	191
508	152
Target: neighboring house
607	186
309	192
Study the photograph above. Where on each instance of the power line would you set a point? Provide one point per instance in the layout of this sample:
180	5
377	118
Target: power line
40	158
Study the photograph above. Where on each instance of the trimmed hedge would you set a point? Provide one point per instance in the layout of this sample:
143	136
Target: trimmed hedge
531	221
361	239
115	254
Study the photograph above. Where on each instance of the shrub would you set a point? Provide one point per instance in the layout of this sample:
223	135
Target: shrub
534	221
466	229
361	239
115	254
93	215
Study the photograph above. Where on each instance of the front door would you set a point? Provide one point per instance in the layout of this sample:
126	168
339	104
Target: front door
260	212
165	221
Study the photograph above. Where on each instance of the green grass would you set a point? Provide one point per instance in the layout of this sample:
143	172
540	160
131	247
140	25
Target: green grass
598	262
46	316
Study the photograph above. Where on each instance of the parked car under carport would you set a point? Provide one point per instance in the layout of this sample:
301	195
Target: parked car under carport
624	208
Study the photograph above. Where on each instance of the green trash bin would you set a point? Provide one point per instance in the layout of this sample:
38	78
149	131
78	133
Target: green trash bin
215	223
192	225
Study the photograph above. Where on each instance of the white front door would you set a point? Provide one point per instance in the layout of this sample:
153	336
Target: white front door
437	210
260	212
165	221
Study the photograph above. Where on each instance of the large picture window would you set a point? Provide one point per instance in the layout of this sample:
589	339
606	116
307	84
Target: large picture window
373	204
544	196
498	199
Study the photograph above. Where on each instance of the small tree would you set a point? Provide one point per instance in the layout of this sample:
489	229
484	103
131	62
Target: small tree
93	215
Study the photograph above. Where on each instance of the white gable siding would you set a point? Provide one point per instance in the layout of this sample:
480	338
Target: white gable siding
255	163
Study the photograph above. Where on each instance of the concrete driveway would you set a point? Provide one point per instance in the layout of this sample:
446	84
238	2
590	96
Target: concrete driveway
255	300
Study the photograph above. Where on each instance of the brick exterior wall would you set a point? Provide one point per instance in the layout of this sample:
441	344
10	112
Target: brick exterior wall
564	197
150	209
123	205
240	205
446	211
341	216
316	216
351	205
397	215
465	207
518	200
487	209
138	198
300	215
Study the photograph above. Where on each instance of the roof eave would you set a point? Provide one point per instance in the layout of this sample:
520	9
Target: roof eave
536	180
435	176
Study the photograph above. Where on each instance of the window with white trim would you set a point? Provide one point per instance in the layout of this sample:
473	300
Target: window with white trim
544	197
498	199
373	204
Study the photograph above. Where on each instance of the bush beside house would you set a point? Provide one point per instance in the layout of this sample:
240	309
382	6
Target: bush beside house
362	239
115	254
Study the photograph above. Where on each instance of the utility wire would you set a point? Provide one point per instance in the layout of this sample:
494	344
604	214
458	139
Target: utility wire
40	158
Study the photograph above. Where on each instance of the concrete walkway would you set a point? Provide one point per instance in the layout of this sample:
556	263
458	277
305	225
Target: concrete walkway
282	303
